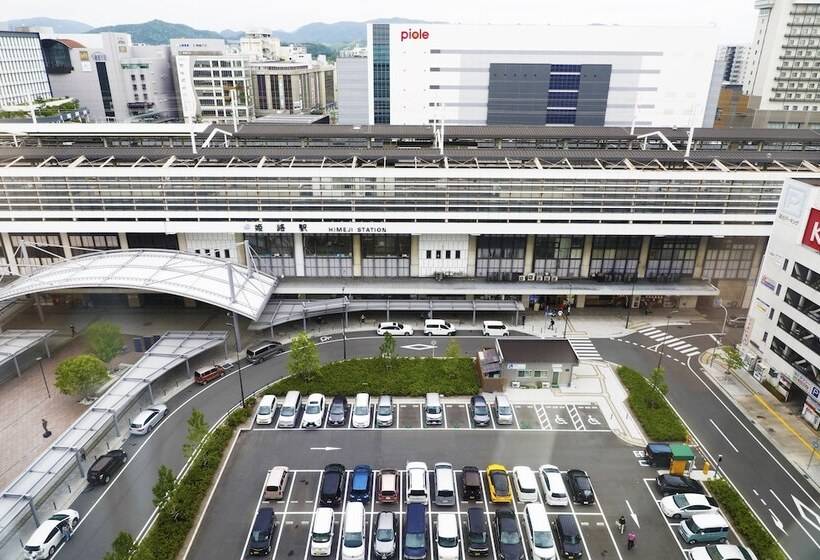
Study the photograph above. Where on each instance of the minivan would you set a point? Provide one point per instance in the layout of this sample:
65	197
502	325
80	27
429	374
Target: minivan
447	541
537	528
321	535
361	411
433	413
262	532
503	411
569	537
275	483
208	373
415	532
260	352
478	543
445	485
384	412
290	409
658	455
471	483
267	406
416	482
438	327
553	485
526	485
704	528
384	543
354	532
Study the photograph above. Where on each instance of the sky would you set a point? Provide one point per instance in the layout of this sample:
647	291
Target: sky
735	19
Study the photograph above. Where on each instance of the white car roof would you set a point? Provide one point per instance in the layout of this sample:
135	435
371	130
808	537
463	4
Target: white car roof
315	397
38	537
388	324
696	499
497	324
142	417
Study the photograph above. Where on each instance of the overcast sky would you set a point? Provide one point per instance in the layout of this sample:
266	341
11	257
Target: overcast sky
734	18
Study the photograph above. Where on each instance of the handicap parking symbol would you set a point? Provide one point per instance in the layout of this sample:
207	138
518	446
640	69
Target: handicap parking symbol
559	420
594	421
325	338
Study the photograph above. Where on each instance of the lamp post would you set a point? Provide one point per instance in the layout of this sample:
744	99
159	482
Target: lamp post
629	302
722	331
666	333
43	373
566	311
344	325
239	367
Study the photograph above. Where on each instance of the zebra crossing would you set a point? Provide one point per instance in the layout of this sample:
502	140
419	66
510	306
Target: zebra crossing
584	348
669	342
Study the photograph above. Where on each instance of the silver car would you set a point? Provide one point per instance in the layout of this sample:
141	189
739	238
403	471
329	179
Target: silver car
145	421
384	411
384	545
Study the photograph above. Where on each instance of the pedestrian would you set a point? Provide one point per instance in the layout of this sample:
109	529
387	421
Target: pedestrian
621	524
523	320
73	331
630	540
552	324
66	531
362	318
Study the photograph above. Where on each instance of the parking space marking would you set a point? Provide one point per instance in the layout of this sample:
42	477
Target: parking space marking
250	529
444	414
603	516
665	519
315	501
575	416
580	530
515	417
292	483
397	416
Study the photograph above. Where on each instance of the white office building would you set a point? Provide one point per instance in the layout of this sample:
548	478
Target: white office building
23	75
352	94
592	75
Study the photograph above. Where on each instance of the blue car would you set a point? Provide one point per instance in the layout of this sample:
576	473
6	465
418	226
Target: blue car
415	532
361	484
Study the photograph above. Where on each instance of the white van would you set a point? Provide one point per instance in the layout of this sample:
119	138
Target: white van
321	534
438	327
503	410
447	536
361	411
445	485
290	409
275	483
553	485
416	482
433	412
354	532
538	531
526	485
267	406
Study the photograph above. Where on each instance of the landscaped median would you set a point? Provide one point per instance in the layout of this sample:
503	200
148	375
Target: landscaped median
744	521
657	418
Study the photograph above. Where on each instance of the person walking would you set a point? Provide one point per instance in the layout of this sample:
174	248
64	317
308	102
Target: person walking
552	324
66	531
630	540
621	524
523	320
362	319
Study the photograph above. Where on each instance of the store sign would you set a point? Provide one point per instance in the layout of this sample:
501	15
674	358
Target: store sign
414	34
768	282
811	237
792	203
516	367
319	227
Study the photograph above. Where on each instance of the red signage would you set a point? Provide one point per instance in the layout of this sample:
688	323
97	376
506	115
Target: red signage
409	34
811	237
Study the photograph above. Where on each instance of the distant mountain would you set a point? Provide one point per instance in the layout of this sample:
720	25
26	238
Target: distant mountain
59	25
231	35
158	32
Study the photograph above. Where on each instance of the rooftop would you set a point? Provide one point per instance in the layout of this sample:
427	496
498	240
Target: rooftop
536	351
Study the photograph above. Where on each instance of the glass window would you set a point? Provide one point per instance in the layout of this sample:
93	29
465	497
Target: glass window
272	252
385	255
500	257
94	241
728	258
615	255
559	255
672	257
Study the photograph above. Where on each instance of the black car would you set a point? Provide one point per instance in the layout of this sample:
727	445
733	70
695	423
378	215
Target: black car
569	537
333	485
580	487
337	415
261	535
471	484
480	411
106	466
669	484
478	539
507	537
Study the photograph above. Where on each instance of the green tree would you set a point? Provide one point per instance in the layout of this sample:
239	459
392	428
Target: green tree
164	488
387	351
81	375
453	349
451	353
657	380
122	548
732	359
197	430
304	357
105	339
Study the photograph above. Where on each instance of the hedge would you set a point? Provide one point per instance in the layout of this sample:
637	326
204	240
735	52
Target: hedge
660	423
177	515
408	377
745	523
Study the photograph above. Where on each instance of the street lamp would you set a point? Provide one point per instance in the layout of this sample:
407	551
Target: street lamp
566	311
666	334
239	366
629	302
43	373
344	325
722	331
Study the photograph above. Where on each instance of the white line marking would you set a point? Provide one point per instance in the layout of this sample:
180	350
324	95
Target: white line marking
724	435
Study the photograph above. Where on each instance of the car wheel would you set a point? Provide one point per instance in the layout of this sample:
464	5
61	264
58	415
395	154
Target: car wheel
149	429
486	334
75	522
676	516
107	479
124	457
50	552
723	540
429	334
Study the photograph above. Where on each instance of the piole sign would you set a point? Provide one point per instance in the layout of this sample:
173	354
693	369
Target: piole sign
811	237
414	34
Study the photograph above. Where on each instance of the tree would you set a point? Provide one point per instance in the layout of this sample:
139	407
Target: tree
122	548
81	375
451	353
304	357
658	382
197	430
105	339
732	359
387	351
164	488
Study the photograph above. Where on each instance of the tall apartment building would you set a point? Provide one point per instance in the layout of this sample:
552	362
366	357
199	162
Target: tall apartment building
735	59
785	64
592	75
293	86
23	75
351	76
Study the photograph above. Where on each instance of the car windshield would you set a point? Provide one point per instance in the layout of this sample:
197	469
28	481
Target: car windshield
384	535
385	410
414	540
259	536
321	537
542	539
478	538
353	539
572	539
313	408
714	553
481	409
337	407
500	482
448	542
361	411
432	409
509	537
264	410
582	483
680	500
286	411
32	547
504	410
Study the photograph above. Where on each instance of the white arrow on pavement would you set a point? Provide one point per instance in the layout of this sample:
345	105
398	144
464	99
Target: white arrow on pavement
632	514
778	522
325	448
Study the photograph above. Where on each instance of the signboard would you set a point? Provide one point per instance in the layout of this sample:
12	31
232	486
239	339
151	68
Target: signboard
768	282
791	203
315	227
811	236
516	367
186	87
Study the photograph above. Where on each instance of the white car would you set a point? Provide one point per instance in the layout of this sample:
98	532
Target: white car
438	327
314	411
46	539
552	483
684	506
447	536
722	552
396	329
526	485
495	328
146	420
416	482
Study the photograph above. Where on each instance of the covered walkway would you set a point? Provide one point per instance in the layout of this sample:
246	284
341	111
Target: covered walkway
15	343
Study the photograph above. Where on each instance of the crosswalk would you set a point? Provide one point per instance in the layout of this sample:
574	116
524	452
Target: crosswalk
669	342
584	348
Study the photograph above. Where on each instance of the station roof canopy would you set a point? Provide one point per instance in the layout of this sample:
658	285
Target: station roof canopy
214	281
13	343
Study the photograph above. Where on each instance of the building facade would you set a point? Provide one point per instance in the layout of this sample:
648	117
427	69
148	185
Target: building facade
351	74
292	87
782	334
536	75
736	63
23	75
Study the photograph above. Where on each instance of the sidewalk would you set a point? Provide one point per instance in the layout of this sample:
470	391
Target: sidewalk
776	420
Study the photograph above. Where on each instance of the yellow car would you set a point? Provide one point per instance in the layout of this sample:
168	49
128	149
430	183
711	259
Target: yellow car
499	484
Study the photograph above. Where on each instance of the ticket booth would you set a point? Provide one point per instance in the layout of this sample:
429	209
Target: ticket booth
682	456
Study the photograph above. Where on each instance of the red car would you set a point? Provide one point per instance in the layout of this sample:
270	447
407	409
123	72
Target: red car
388	491
206	374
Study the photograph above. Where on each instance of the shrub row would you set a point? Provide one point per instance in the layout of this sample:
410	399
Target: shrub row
408	377
661	423
745	523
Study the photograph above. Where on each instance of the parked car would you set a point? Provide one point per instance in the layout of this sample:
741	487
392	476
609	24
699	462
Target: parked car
495	328
261	537
526	485
106	466
552	483
447	540
361	483
361	411
722	552
388	491
45	540
537	529
415	532
384	543
504	414
266	409
384	411
569	537
314	411
507	536
337	413
683	506
438	327
471	484
445	491
580	487
146	420
416	482
333	483
499	484
208	373
737	321
355	532
478	542
395	329
480	410
258	353
669	484
321	532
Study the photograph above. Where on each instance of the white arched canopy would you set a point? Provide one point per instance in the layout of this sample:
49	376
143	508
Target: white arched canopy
207	279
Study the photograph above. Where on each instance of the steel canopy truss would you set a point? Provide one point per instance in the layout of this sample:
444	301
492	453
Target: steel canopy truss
214	281
15	342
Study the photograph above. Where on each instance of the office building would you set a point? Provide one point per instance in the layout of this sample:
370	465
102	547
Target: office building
23	75
736	63
592	75
781	339
293	87
351	75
